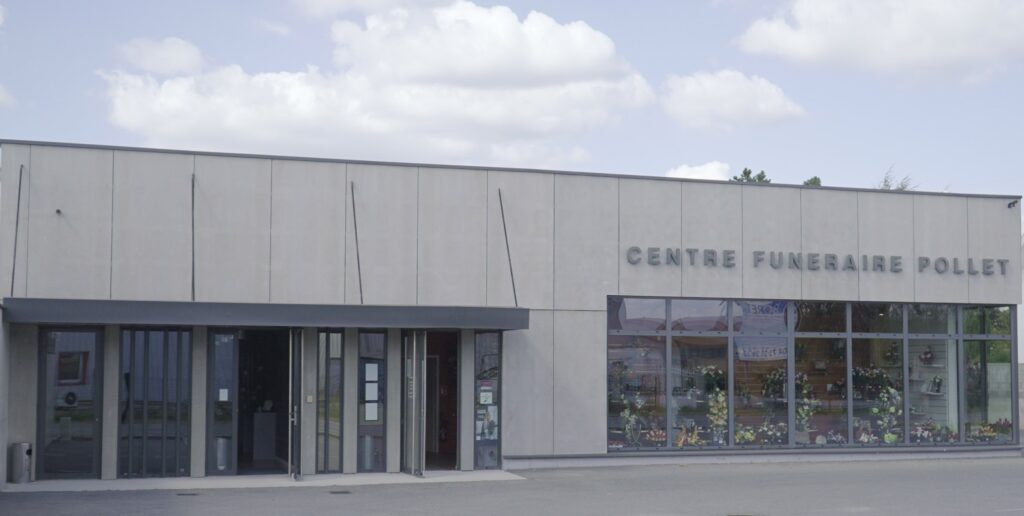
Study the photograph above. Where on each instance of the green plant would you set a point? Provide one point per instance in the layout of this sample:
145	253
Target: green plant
889	412
631	421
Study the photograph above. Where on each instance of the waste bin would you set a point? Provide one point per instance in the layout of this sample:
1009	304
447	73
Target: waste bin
21	463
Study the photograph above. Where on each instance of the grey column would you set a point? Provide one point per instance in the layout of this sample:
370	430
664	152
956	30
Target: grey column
350	402
198	428
23	366
110	387
5	394
467	366
394	401
307	405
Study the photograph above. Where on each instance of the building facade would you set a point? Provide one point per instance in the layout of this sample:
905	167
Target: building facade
172	313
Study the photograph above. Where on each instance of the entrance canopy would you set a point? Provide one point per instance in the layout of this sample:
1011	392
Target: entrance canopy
173	313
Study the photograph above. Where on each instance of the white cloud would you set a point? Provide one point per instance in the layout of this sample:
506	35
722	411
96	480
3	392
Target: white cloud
726	99
6	99
3	15
275	27
713	170
969	37
168	56
458	83
325	8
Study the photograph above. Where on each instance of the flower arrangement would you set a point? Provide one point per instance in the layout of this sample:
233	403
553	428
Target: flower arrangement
982	433
767	433
656	436
714	378
744	434
870	381
690	437
889	412
926	357
773	385
894	353
833	437
718	415
806	405
631	427
930	431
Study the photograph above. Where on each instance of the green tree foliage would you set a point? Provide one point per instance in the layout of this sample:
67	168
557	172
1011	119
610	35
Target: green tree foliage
814	181
889	182
748	176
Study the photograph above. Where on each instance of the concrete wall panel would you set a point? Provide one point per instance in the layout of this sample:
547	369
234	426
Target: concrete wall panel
15	166
69	252
885	226
530	220
991	226
713	219
152	226
580	382
24	367
771	223
940	231
586	241
829	226
452	257
650	216
232	229
527	388
307	233
386	199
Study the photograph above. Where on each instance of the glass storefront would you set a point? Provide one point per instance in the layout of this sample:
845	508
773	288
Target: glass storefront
689	374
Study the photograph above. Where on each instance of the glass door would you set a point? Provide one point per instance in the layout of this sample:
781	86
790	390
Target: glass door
70	399
222	404
414	352
294	402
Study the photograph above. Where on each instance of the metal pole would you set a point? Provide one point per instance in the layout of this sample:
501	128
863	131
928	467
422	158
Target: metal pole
163	401
508	251
906	375
17	221
131	402
730	345
961	352
791	375
355	228
849	373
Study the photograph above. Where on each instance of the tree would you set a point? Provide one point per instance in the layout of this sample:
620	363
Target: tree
814	181
747	176
889	182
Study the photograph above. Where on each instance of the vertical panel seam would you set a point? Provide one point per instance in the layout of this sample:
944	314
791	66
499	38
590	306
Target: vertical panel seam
28	220
344	235
270	238
857	214
487	235
967	254
110	261
913	242
618	235
743	241
417	236
682	240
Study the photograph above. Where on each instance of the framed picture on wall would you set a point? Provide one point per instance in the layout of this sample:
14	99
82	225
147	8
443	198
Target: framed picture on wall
72	367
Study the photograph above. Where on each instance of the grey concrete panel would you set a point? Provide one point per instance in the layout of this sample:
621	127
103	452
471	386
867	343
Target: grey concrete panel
452	241
530	220
23	347
307	401
5	395
713	219
885	226
197	457
993	232
393	420
580	383
528	388
152	226
940	230
829	226
111	392
386	213
232	241
771	223
307	236
467	399
15	163
650	215
586	241
350	401
69	223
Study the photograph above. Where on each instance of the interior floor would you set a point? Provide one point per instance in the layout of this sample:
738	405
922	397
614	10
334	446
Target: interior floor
442	405
263	402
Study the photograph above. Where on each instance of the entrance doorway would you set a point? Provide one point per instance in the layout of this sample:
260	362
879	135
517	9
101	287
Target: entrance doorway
249	402
442	400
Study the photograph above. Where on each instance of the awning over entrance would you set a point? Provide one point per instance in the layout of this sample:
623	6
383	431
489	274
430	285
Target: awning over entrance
172	313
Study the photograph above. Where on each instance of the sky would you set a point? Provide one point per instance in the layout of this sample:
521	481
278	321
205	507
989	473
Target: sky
841	89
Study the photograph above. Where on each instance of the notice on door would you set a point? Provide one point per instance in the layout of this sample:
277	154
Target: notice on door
222	395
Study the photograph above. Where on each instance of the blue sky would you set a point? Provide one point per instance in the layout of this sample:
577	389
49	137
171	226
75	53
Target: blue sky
842	89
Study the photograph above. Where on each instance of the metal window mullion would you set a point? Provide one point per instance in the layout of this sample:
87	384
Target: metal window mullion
145	400
730	344
906	376
1014	392
163	401
791	374
178	445
849	374
131	400
961	364
670	400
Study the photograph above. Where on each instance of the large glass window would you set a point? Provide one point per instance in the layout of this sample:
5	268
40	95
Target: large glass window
987	320
328	406
760	391
821	392
487	428
933	393
636	314
700	391
636	392
937	319
699	315
877	318
989	408
821	317
372	401
70	401
878	391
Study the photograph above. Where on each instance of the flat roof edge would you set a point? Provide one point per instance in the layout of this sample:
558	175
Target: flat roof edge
483	168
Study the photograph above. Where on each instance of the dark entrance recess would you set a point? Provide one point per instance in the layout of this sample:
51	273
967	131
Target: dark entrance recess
442	407
263	401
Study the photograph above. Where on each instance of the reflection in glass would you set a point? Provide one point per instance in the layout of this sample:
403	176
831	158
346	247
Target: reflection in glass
760	316
933	391
328	408
636	392
69	405
931	319
221	448
877	317
988	391
821	392
636	314
760	391
487	428
372	418
987	320
878	391
699	315
700	391
821	317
